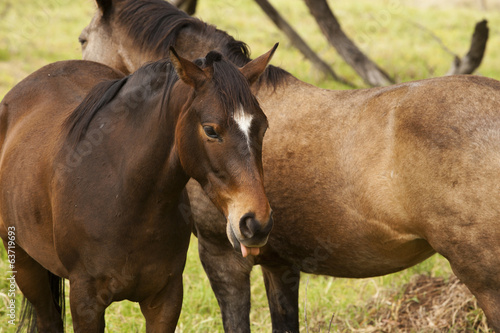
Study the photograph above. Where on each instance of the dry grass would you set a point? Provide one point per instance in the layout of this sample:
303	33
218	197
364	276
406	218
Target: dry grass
427	304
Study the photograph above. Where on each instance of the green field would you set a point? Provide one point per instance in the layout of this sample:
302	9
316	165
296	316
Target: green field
34	33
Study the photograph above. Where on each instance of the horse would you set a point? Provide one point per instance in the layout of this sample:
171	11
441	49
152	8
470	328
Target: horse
362	182
93	166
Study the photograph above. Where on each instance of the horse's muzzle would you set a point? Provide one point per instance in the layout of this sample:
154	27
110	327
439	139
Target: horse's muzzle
254	233
250	228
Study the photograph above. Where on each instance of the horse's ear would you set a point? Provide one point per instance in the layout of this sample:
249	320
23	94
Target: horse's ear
187	71
105	6
256	67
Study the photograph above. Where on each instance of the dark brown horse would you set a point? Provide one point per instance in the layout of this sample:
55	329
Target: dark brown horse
362	182
94	192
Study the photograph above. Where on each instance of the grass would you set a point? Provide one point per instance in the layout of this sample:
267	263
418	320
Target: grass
326	296
35	32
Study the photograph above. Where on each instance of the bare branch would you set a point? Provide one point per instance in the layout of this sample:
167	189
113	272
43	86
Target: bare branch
329	25
436	38
471	61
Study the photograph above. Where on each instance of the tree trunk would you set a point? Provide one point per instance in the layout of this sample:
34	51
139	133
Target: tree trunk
298	42
366	69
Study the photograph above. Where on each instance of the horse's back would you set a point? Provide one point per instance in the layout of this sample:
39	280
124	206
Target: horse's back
447	139
386	147
448	149
423	150
43	99
62	83
431	163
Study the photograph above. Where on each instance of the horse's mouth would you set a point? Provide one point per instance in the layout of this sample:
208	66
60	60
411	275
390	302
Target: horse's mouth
241	248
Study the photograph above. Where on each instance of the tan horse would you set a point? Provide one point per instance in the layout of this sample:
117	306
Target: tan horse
362	182
94	192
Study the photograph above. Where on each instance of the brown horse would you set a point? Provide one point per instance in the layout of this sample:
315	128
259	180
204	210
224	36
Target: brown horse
94	192
362	182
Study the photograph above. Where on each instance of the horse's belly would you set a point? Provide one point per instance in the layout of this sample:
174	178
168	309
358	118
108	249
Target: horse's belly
314	239
351	254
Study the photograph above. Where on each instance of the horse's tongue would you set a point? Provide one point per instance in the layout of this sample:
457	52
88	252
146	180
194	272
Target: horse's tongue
245	251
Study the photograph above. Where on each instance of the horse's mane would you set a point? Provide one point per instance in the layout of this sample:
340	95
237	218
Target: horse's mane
231	88
100	95
103	93
154	26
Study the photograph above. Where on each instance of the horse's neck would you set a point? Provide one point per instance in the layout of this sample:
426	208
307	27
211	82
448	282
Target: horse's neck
148	139
173	174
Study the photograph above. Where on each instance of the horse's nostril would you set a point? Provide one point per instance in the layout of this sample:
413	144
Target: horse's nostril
249	225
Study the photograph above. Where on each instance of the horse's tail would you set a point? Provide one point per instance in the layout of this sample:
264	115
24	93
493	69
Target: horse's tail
28	317
27	320
58	295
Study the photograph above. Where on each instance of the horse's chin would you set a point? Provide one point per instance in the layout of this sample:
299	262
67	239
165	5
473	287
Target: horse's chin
232	238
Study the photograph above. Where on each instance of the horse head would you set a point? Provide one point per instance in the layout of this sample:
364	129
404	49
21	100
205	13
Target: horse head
126	34
219	138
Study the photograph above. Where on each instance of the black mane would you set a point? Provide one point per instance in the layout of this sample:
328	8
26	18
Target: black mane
154	26
104	92
78	121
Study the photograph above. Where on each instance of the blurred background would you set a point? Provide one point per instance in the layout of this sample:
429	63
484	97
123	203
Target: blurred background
408	39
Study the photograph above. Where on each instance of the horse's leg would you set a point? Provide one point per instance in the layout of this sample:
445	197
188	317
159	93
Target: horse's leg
163	309
229	275
489	301
34	282
482	277
88	304
474	254
282	286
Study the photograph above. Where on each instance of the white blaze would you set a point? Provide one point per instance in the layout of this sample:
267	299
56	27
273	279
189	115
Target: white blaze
244	122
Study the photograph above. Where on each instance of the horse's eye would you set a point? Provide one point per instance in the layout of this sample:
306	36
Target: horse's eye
210	132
